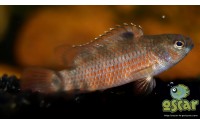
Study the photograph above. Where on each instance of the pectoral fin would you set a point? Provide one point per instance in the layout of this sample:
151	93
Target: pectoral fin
145	85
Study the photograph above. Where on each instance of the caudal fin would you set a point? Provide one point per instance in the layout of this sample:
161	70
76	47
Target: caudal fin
40	80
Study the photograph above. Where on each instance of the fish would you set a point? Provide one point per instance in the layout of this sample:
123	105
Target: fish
119	56
179	92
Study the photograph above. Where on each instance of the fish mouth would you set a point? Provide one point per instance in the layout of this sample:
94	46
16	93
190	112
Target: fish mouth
191	45
189	48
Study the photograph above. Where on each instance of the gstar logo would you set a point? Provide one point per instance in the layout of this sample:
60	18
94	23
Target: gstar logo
179	103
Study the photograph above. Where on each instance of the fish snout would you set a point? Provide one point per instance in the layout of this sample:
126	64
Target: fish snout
190	43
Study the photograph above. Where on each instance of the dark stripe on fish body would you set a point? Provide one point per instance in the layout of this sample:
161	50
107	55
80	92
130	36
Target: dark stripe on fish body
58	81
74	83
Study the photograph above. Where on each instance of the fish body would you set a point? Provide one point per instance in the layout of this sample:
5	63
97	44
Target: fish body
117	57
179	92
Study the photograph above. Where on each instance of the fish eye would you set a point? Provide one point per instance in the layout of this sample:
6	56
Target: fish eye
174	90
179	44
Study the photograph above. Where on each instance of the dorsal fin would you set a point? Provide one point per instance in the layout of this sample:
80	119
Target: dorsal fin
119	33
127	31
108	43
65	54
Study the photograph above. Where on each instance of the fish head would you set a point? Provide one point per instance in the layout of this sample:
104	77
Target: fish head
176	47
169	50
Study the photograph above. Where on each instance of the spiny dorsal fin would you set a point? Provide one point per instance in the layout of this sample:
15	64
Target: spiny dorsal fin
118	38
119	32
126	28
110	42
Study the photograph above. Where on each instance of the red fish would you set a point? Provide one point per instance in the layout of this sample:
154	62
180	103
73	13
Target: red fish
122	55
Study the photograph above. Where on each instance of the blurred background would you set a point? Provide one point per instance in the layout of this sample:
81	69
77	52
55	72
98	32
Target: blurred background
30	34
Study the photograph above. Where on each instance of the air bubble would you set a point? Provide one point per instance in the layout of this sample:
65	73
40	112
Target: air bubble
163	17
171	84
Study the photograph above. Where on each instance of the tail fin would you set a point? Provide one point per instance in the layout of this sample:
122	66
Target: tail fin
40	80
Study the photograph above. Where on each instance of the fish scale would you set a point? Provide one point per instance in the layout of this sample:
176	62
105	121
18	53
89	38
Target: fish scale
121	55
122	70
